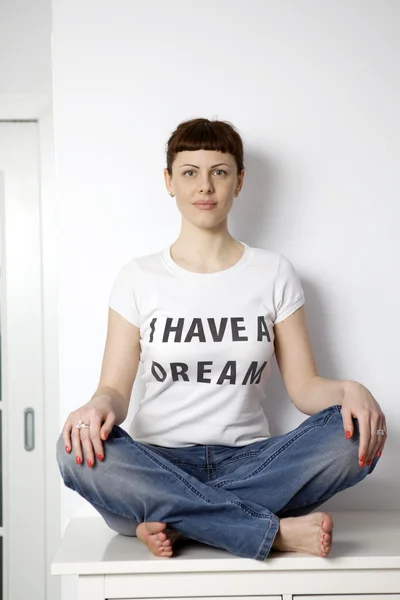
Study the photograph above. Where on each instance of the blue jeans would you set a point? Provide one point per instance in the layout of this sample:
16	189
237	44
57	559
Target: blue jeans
223	496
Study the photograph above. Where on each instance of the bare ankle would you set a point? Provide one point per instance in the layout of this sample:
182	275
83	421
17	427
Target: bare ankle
310	533
280	535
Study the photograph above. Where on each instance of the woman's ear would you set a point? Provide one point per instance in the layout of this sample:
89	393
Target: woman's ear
167	179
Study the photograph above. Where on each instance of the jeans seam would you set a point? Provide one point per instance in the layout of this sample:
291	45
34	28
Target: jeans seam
250	511
160	464
236	458
267	543
209	463
269	459
277	453
141	447
187	464
192	489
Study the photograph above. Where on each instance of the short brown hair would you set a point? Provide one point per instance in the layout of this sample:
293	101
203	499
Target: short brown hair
203	134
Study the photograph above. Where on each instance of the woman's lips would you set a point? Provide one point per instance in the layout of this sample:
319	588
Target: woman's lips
205	205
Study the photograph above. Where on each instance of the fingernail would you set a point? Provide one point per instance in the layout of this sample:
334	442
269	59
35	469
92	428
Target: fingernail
89	463
362	458
369	462
379	453
348	434
78	460
68	449
106	435
100	457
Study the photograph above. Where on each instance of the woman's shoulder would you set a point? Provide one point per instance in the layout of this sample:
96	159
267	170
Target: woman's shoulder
265	256
273	260
142	262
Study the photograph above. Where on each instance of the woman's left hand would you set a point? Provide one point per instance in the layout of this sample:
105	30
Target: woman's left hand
358	402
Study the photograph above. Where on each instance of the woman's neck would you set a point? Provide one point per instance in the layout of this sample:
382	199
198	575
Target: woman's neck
206	252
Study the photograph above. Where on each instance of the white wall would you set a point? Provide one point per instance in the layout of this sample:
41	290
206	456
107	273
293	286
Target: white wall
25	57
313	87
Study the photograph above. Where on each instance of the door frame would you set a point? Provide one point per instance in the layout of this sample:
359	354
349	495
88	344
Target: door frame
39	108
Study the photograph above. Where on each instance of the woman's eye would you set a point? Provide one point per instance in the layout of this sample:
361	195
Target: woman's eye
217	170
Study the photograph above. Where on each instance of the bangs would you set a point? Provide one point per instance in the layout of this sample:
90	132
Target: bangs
203	134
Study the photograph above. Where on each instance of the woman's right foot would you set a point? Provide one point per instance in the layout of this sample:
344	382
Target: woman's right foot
157	537
311	534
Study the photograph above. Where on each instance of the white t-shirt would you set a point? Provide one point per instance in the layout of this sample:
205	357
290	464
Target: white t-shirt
206	340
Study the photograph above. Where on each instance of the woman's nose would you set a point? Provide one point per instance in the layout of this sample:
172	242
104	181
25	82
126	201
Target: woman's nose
205	185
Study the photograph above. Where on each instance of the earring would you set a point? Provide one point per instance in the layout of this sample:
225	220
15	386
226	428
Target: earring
171	194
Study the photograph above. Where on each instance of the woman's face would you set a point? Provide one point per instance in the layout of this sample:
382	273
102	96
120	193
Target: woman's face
204	176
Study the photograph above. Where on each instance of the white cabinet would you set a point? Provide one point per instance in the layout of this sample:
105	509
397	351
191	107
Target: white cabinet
364	564
351	597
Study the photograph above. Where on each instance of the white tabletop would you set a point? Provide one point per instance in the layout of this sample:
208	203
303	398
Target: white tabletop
361	540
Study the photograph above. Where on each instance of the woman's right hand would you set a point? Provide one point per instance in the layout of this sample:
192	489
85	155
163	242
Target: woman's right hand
86	443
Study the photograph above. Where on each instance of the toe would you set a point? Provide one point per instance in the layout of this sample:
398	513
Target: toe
325	547
326	523
154	548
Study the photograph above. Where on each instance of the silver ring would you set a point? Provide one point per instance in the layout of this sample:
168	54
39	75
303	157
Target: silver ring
82	425
380	432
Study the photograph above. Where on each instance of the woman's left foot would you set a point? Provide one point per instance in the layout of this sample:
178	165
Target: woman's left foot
310	534
158	538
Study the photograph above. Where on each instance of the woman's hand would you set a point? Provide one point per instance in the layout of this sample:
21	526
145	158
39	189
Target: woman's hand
100	414
358	402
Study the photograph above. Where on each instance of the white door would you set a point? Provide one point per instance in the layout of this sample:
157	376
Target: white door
22	510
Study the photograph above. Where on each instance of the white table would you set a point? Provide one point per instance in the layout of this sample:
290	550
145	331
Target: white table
364	563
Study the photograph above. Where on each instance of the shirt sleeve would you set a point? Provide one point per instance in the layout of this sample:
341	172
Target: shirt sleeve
288	294
123	297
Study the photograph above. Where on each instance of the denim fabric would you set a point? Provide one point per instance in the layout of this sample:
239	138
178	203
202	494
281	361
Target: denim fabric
227	497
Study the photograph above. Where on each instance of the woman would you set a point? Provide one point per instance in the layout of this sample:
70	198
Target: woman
205	316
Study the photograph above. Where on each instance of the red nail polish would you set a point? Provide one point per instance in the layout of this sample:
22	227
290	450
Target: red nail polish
348	435
89	463
68	449
106	435
379	453
369	462
100	457
362	458
78	460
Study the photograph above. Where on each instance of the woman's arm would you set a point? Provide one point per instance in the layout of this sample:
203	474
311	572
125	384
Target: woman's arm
312	393
309	392
120	363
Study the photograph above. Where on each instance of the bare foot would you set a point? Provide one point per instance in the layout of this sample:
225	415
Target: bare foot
310	534
157	537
